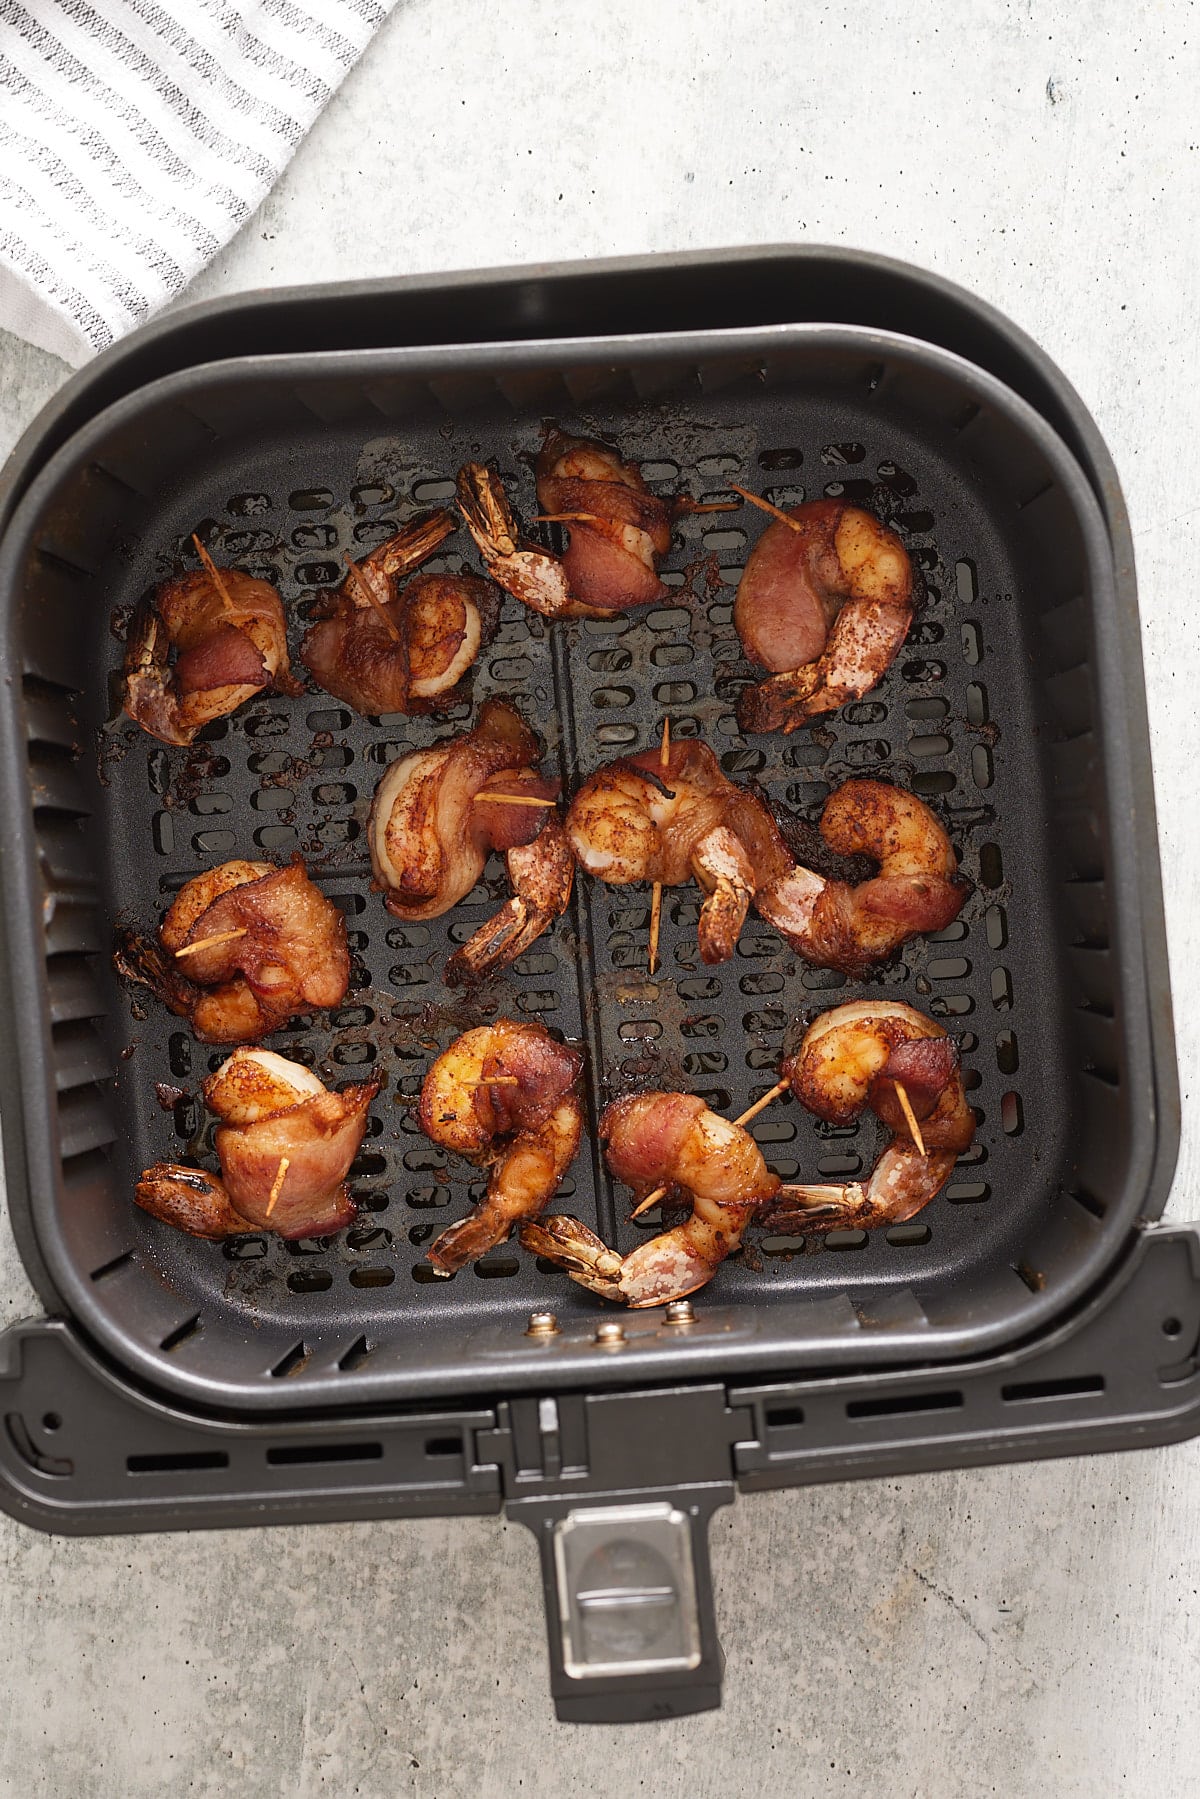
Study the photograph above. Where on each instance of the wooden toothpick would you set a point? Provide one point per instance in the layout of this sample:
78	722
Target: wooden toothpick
277	1184
910	1118
664	762
655	922
367	591
692	506
189	949
760	1105
214	574
567	518
644	1205
512	799
494	1080
785	518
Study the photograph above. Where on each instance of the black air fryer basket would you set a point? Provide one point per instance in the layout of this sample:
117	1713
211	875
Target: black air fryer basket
1030	1309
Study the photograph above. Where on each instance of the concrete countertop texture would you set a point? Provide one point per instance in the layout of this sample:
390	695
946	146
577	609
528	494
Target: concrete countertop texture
1019	1630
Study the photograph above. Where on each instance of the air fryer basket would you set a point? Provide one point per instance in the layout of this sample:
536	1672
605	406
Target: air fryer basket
1005	710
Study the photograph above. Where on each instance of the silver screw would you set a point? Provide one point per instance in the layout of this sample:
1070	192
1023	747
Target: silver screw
680	1311
542	1324
611	1331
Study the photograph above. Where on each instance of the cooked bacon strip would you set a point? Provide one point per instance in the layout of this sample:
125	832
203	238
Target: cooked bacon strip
923	1066
270	1109
673	1142
611	557
230	644
380	648
917	889
432	827
191	1199
633	820
226	659
825	601
645	1134
289	954
523	1124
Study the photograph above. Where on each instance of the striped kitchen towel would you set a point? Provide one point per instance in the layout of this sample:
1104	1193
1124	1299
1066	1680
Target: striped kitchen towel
137	135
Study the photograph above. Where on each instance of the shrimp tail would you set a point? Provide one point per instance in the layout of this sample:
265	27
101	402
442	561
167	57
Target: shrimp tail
148	696
668	1267
495	944
821	1206
723	868
531	575
400	554
468	1239
902	1183
190	1199
541	873
570	1245
779	703
481	499
138	959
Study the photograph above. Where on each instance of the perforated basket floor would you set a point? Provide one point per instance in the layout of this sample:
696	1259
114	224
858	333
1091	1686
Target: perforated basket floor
990	714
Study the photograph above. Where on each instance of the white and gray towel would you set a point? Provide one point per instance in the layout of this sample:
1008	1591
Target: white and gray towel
137	135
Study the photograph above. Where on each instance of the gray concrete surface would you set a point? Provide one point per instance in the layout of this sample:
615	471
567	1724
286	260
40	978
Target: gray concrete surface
1021	1630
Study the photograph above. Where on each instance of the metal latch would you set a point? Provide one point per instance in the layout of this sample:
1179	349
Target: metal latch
626	1590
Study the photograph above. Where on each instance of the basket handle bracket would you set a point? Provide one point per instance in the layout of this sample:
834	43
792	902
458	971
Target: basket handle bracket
618	1489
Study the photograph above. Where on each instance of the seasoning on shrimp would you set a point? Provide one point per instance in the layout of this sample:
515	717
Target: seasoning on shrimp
916	890
506	1097
635	820
617	529
285	1145
825	603
438	813
229	639
901	1064
670	1140
383	648
247	947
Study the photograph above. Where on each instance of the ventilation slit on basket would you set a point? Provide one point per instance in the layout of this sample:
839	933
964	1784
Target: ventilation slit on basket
180	1334
299	1455
495	1267
291	1363
64	565
1036	493
372	1277
355	1356
117	1263
1070	1387
183	1461
899	1405
443	1447
310	1280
